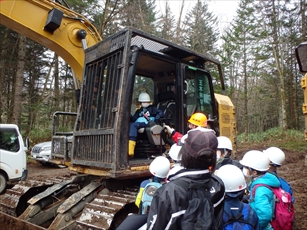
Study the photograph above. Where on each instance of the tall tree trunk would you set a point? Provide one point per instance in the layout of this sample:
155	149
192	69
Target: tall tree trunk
279	59
19	80
2	63
245	92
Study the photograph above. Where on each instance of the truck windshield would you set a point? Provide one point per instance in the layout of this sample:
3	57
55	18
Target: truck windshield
9	140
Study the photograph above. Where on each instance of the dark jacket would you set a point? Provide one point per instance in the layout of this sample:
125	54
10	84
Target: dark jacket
227	161
150	111
170	201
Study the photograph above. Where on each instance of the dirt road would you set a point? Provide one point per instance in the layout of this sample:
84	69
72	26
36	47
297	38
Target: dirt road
38	170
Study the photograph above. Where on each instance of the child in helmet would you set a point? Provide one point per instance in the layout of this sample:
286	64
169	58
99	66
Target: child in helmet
237	215
172	200
159	168
141	118
223	153
197	121
176	157
277	157
255	168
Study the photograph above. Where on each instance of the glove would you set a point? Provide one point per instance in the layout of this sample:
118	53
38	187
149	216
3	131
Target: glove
146	116
169	129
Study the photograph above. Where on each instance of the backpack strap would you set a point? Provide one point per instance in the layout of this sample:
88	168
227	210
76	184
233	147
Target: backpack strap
267	186
258	185
229	217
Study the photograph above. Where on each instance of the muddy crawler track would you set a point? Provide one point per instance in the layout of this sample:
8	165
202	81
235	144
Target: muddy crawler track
108	209
14	201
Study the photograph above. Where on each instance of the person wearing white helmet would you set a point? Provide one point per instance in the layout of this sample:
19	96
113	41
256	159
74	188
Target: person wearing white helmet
176	157
171	201
159	168
277	157
142	117
223	153
255	168
237	215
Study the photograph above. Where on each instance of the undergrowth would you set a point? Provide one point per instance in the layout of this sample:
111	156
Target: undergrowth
40	135
287	139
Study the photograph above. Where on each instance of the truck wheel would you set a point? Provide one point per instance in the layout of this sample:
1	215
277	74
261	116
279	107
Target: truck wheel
2	183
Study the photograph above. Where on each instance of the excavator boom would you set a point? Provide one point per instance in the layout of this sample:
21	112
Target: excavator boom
29	17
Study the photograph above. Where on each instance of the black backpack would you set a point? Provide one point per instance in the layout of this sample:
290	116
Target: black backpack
199	214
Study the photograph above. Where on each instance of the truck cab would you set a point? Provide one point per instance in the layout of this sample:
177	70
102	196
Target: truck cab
13	160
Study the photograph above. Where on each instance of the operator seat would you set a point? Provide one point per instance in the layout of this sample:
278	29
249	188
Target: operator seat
166	103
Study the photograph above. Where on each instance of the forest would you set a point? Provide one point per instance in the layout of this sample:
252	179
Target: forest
256	49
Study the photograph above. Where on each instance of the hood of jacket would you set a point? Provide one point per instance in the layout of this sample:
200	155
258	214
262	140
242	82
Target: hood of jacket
268	179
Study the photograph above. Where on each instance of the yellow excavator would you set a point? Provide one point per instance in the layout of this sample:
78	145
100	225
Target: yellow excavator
100	191
301	56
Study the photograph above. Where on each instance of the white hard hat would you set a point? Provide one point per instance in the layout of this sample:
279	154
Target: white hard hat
256	160
232	177
275	155
174	152
159	167
224	143
144	97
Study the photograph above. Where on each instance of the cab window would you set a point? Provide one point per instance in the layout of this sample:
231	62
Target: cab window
141	84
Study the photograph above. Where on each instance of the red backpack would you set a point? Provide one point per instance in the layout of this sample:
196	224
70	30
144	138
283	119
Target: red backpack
283	217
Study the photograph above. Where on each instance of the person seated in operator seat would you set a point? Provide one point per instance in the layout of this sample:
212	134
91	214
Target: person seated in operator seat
144	116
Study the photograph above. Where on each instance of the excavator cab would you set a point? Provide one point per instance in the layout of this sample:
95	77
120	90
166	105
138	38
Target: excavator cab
116	71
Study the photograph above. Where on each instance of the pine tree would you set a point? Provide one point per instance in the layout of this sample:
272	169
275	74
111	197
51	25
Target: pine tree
201	29
139	14
241	60
166	24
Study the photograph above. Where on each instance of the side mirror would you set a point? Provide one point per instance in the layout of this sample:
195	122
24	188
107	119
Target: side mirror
301	56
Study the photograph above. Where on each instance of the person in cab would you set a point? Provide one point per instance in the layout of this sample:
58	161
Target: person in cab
146	115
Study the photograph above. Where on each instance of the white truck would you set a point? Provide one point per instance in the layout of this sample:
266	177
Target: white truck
13	159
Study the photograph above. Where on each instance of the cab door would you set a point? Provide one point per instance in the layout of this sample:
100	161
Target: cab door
198	94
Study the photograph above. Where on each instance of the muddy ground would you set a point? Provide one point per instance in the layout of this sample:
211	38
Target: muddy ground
293	170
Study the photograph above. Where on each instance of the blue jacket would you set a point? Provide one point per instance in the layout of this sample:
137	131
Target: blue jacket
150	111
263	202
